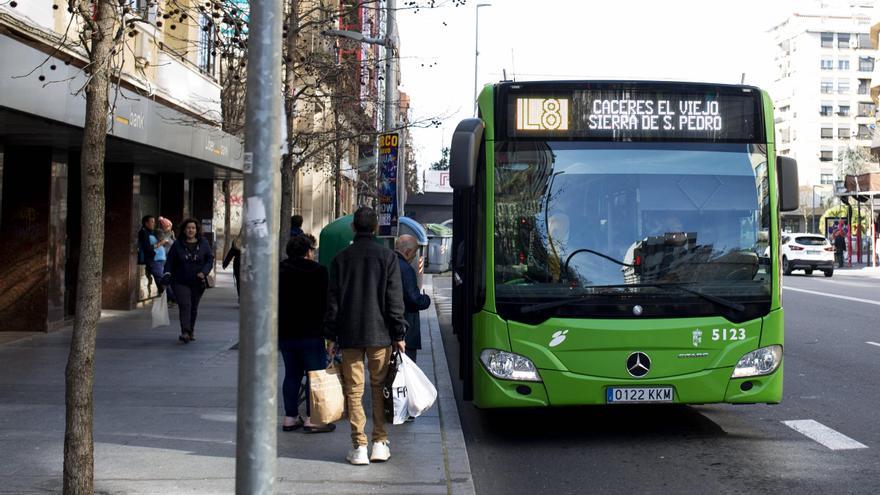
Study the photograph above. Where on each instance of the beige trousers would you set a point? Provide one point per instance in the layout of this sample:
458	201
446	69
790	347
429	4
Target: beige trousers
353	384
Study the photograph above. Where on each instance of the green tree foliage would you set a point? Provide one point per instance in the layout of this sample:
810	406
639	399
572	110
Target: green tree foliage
443	162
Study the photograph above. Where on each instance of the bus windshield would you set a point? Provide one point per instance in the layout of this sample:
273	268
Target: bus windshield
628	222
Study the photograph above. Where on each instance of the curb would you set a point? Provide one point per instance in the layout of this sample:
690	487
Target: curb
459	479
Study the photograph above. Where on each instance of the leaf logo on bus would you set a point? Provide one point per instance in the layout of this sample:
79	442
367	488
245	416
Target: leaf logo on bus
558	338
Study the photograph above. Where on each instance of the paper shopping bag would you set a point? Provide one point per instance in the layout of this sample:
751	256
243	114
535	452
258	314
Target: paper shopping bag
326	400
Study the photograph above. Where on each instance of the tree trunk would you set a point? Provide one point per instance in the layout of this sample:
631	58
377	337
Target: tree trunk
287	171
79	375
227	216
337	183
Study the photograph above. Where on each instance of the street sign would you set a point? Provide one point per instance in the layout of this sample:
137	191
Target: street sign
437	181
389	145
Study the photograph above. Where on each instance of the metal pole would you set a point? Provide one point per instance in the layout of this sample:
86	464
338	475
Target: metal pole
873	236
255	468
813	217
390	76
476	54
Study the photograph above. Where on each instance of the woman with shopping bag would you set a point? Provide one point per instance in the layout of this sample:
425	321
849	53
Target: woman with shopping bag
302	302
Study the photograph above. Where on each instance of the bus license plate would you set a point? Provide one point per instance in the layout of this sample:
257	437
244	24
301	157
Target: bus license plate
619	395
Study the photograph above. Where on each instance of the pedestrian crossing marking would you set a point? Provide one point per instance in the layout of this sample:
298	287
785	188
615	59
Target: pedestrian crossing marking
820	433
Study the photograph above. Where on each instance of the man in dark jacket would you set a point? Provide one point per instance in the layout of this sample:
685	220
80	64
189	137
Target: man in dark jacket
147	251
413	301
365	318
839	248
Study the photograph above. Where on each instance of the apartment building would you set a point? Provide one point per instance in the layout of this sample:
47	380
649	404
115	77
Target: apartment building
822	94
164	152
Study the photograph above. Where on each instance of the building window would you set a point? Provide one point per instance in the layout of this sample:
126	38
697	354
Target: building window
865	41
843	64
843	110
827	133
866	64
843	133
842	40
785	135
827	40
827	87
825	110
843	86
826	178
864	132
826	155
826	64
866	109
207	48
864	84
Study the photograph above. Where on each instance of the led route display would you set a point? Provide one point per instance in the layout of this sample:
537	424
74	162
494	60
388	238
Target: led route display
642	113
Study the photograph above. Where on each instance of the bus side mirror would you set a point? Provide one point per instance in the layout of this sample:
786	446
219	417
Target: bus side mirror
463	154
787	177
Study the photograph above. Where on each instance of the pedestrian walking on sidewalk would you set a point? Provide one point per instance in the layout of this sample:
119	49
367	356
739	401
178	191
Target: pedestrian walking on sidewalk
302	305
407	249
148	246
190	260
167	238
839	248
365	319
234	255
296	223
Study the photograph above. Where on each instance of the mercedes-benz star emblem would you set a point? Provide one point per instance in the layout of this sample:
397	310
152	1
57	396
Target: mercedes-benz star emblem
638	364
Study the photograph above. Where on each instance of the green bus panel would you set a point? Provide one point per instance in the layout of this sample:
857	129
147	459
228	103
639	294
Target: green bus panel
593	357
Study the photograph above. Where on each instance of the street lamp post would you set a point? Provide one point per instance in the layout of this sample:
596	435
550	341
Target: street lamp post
813	221
477	51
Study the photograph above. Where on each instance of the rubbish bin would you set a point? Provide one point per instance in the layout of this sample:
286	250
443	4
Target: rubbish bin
337	235
409	226
439	248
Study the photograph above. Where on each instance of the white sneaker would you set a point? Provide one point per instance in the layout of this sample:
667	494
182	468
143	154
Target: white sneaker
358	456
381	452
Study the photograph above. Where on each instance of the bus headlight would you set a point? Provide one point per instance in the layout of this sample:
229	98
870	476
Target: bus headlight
509	366
759	362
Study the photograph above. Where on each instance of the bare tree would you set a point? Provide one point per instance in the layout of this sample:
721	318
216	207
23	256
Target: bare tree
103	32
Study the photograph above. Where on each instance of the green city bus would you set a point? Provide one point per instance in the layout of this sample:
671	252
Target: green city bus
617	242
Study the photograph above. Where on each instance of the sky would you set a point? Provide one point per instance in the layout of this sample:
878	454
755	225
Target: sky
686	40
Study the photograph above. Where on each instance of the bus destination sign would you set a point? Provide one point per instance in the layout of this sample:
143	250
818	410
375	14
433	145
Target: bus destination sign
635	115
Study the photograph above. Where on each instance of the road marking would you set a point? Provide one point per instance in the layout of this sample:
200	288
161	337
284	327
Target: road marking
856	299
872	343
822	434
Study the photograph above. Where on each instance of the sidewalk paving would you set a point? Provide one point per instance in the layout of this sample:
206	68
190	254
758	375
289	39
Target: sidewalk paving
165	416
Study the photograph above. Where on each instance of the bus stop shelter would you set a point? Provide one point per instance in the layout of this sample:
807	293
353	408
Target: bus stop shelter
855	190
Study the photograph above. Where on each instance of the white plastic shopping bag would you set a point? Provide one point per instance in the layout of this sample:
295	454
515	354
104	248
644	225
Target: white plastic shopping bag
420	392
160	311
399	394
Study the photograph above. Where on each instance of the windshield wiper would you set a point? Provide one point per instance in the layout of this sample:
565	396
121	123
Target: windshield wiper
680	286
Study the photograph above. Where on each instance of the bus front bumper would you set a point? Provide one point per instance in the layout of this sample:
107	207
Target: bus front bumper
563	388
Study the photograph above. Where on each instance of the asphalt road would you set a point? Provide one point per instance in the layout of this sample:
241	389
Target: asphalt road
832	376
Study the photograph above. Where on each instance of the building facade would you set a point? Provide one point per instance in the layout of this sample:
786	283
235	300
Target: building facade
164	152
822	94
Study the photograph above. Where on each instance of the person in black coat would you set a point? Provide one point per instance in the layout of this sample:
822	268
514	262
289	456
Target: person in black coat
302	304
839	248
190	260
234	255
413	301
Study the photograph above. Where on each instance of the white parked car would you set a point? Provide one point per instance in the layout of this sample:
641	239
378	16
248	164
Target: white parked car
806	252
